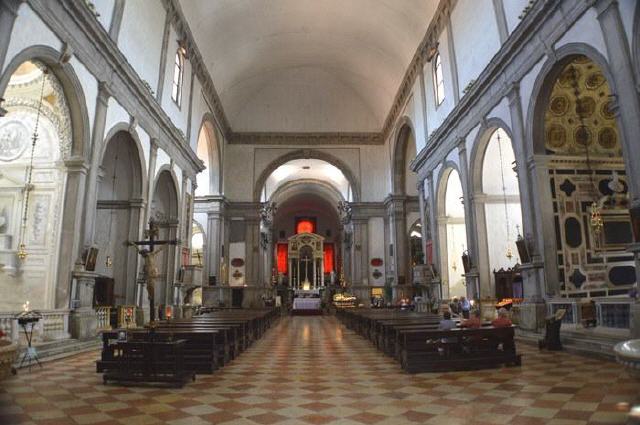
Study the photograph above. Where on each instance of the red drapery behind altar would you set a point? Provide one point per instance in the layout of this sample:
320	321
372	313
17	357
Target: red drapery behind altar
283	260
328	257
305	225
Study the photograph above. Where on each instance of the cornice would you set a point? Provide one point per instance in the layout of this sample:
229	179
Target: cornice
108	64
314	139
492	78
420	57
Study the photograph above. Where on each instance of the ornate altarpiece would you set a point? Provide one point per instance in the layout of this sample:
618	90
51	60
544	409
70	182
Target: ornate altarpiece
306	258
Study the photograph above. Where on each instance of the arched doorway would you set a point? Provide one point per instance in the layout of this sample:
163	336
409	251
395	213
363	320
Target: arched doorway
35	137
164	211
452	234
118	213
497	202
580	140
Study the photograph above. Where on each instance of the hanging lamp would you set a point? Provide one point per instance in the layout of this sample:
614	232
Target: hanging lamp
595	213
22	248
509	252
108	262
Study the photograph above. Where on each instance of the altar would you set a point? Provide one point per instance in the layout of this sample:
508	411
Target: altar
306	261
306	305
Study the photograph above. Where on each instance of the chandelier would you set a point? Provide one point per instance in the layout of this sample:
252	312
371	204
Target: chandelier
22	248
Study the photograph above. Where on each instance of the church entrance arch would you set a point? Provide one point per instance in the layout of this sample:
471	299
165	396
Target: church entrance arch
119	211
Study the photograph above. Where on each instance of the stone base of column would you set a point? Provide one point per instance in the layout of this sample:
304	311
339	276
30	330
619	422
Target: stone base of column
83	323
532	315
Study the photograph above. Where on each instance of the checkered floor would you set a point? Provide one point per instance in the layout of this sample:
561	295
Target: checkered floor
310	370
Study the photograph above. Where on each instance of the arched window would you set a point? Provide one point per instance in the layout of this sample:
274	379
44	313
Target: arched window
438	80
178	71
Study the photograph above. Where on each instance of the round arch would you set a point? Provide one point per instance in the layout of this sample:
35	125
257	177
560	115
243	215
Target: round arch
71	86
404	135
306	154
559	278
543	86
125	128
491	205
166	170
212	152
452	235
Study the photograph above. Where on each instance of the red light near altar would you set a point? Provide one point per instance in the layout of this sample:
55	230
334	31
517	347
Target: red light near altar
305	226
328	257
282	256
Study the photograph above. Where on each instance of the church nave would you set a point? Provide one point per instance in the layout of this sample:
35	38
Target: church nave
311	370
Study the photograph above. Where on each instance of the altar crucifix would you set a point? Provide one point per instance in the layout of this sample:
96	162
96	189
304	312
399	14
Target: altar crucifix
150	269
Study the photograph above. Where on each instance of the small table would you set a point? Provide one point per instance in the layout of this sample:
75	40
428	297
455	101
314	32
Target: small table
149	361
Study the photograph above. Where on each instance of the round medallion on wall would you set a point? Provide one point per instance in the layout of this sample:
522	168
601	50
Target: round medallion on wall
606	110
14	137
594	80
585	107
237	262
556	136
582	136
607	138
559	105
377	274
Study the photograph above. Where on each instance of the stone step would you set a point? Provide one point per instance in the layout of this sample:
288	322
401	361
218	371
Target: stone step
54	350
591	345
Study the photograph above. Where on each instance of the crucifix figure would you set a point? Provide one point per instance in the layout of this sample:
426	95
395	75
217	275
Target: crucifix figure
150	269
306	261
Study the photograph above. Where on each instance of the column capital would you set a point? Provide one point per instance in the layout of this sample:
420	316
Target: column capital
602	6
104	93
76	164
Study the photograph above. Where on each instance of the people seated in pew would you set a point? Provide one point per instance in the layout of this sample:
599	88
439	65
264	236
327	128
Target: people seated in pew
502	321
446	323
472	322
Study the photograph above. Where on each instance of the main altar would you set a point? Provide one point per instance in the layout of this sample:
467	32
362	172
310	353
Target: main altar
306	261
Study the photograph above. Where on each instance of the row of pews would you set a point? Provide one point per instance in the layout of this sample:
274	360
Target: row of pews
413	339
175	350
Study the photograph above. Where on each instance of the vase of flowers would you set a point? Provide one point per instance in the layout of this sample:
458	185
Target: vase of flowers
8	354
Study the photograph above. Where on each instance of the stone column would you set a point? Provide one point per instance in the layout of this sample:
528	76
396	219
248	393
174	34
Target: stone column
423	221
533	310
136	212
70	243
252	260
151	173
97	144
628	101
435	237
472	277
396	211
8	14
215	219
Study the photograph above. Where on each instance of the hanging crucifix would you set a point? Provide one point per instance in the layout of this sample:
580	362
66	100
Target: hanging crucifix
150	269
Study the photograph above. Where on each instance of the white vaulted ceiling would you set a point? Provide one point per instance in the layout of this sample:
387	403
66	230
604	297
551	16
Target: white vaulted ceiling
307	65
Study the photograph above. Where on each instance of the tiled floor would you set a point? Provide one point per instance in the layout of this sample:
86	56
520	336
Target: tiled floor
310	370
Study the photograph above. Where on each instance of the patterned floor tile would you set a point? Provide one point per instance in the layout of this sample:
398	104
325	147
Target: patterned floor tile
310	370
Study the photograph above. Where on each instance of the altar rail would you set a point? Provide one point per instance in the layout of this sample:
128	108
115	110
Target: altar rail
53	326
